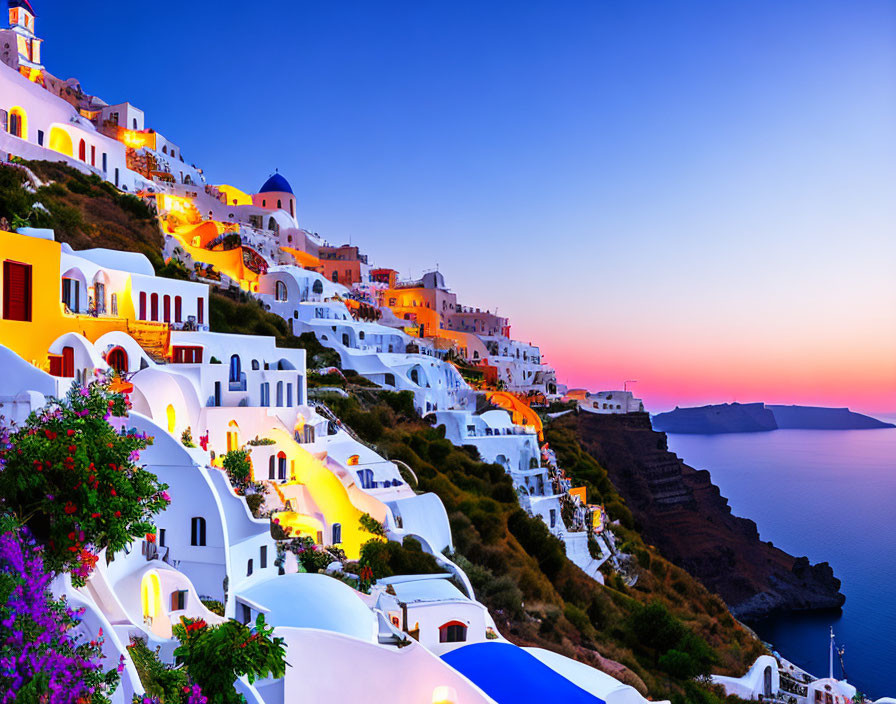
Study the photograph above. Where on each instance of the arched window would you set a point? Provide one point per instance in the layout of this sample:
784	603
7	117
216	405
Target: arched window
281	291
178	309
118	359
165	150
166	308
255	365
335	277
235	370
279	394
82	150
452	632
281	466
197	531
18	123
337	533
317	286
154	306
249	568
272	471
143	305
279	204
114	304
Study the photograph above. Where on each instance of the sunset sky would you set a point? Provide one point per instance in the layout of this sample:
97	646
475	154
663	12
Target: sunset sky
700	196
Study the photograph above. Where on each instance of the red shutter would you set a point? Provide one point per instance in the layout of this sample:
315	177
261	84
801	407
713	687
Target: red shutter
16	291
142	305
166	301
177	309
200	311
55	365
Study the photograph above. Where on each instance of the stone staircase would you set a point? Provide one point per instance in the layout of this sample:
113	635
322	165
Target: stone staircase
154	338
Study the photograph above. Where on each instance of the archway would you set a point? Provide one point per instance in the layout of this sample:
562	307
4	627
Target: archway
61	141
82	150
151	596
118	359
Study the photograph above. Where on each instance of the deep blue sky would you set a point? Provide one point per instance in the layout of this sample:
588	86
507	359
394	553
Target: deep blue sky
698	195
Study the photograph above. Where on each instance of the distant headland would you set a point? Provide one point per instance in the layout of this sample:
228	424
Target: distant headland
759	417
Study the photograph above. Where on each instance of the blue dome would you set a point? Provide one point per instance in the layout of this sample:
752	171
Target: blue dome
276	184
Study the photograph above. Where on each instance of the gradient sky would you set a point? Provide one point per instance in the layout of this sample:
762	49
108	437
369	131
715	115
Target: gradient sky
697	195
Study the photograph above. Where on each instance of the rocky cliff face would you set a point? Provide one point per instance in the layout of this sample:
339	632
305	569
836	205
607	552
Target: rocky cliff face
684	515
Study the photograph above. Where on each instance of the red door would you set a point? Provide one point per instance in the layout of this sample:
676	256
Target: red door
143	305
68	361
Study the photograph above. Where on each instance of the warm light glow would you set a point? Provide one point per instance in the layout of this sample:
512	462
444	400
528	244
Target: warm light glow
444	695
61	141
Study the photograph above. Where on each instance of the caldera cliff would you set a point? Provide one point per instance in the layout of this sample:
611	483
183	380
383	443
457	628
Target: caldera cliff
682	513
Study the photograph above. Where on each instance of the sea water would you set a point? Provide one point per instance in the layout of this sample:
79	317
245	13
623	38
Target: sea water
829	495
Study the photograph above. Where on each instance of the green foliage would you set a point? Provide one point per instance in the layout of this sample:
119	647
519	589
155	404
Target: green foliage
238	467
72	479
159	680
215	656
677	650
537	540
371	525
388	557
213	605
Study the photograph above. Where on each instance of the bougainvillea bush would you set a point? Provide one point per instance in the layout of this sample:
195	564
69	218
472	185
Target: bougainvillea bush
71	478
42	660
215	656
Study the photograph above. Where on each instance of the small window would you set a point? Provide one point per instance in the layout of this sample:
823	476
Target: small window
263	557
179	600
245	613
197	531
281	291
161	537
249	568
40	138
452	632
337	533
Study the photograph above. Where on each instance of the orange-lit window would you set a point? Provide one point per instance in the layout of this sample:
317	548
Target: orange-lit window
353	461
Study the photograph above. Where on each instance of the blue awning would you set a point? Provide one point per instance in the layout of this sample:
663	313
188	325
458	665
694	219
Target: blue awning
510	675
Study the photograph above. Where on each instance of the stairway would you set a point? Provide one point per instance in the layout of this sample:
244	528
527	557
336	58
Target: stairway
154	338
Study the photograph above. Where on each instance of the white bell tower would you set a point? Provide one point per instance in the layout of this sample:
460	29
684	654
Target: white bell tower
21	21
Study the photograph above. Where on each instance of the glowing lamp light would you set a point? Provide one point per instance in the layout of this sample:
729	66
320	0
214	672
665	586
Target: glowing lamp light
444	695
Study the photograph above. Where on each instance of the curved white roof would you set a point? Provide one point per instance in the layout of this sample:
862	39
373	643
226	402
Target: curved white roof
314	601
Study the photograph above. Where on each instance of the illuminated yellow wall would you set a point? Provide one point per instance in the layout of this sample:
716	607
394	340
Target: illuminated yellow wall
330	498
61	141
520	413
228	262
31	340
234	195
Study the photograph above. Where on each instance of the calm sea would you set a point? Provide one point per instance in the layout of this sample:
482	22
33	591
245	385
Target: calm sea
830	495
